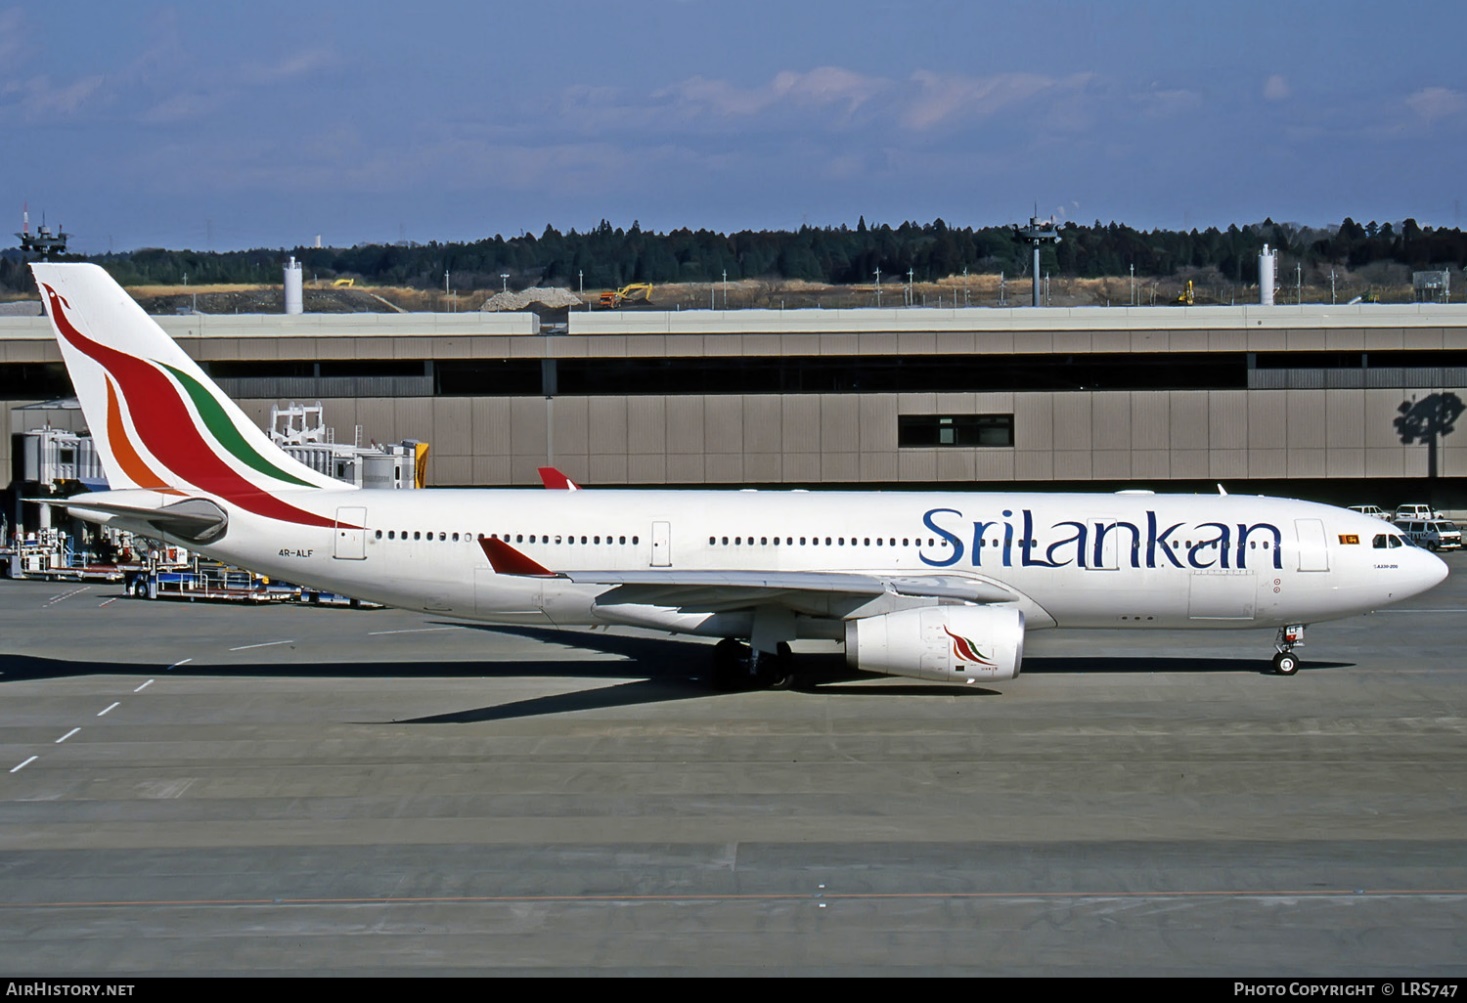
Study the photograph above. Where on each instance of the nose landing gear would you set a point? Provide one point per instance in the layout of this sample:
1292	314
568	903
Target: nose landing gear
1285	662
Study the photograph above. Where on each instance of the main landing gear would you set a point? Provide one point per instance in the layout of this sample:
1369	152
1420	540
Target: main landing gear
1285	662
737	666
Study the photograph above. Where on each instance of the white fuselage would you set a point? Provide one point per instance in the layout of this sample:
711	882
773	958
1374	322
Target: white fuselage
1128	560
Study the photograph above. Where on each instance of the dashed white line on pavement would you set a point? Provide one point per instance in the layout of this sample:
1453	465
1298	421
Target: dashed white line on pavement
177	664
67	735
115	705
144	686
415	630
65	595
17	769
262	644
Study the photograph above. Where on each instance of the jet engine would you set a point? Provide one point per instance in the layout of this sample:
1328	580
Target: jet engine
944	643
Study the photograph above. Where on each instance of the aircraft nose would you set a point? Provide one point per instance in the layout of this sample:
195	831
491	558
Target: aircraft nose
1429	572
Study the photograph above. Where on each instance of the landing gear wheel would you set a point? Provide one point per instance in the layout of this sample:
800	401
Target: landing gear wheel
1286	663
779	671
729	660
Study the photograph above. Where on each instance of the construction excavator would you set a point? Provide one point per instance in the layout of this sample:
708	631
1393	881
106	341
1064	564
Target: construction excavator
637	292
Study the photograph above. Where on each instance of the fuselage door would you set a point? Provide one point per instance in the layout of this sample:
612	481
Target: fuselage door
351	534
1313	545
662	545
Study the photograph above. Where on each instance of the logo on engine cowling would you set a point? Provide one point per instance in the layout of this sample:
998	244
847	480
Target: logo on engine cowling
965	650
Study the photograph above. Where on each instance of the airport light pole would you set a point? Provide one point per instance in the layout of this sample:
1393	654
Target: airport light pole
1037	234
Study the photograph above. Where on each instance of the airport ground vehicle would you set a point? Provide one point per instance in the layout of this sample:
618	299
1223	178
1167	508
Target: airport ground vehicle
1415	511
939	585
1433	534
1374	511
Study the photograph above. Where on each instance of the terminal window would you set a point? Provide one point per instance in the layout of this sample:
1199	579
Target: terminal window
955	430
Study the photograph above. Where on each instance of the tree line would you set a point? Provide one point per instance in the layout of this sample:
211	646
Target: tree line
610	256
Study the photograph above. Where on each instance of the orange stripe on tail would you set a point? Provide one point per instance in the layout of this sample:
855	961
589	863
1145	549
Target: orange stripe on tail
133	465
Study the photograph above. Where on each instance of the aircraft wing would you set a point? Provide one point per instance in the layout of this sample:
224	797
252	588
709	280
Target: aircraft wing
720	591
685	588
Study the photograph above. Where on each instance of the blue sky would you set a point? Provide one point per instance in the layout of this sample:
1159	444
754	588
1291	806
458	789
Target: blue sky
219	126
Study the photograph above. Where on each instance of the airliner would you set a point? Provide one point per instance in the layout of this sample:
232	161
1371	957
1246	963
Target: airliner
939	586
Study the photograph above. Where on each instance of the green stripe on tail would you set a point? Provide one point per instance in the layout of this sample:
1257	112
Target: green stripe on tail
225	432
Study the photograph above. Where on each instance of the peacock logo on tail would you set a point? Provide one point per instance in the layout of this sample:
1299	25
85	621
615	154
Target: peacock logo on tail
159	445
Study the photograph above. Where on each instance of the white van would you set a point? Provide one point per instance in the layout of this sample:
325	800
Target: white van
1433	534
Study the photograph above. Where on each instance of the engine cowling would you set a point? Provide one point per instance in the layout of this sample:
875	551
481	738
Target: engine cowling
944	643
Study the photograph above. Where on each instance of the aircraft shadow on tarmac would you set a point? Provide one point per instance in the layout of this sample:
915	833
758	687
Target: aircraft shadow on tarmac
670	670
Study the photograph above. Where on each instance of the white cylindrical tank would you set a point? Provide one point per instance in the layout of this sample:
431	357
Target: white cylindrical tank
294	299
1266	269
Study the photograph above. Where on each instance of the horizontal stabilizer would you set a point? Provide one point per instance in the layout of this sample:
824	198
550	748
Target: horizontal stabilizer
197	520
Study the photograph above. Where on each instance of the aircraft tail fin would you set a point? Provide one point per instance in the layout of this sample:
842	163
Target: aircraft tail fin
556	480
157	420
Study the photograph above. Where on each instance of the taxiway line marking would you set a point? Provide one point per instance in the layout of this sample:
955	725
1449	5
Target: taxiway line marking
115	705
415	630
65	595
816	897
177	664
17	769
262	644
1421	611
144	686
66	736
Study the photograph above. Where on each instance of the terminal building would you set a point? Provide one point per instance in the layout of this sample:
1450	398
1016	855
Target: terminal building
1348	404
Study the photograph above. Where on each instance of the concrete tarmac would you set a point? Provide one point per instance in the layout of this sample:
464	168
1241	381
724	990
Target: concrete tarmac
203	789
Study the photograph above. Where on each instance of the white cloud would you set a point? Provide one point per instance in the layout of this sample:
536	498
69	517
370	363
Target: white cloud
1276	88
1163	102
180	108
824	87
941	98
291	67
828	85
38	97
1432	103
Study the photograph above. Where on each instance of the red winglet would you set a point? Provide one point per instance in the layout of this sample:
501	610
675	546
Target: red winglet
557	481
505	560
